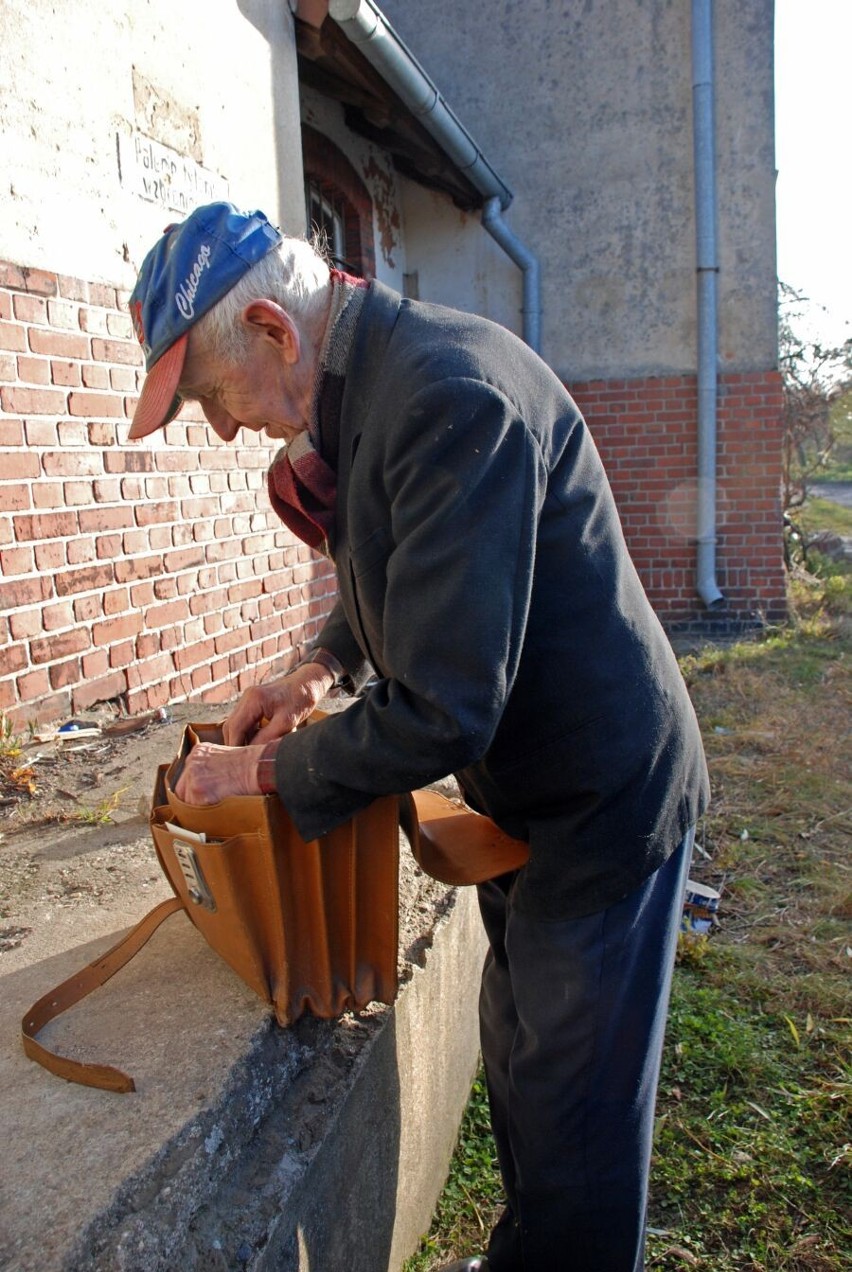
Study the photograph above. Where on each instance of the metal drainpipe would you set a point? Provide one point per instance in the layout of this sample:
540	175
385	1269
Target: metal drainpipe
707	271
527	261
363	24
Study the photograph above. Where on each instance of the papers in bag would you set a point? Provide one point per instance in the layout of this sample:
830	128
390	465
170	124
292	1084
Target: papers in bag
192	836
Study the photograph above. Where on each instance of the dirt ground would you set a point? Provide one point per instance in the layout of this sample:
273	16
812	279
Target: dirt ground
75	849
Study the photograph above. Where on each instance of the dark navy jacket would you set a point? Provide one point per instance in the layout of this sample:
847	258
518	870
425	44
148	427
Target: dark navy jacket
483	573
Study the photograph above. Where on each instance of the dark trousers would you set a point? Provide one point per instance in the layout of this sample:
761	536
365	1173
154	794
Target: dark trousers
572	1017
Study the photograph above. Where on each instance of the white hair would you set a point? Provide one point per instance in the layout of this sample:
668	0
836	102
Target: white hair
294	275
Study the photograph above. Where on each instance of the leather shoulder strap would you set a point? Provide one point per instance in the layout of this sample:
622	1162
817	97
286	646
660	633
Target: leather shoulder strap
78	986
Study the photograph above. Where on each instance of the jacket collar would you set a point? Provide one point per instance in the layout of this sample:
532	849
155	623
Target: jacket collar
376	324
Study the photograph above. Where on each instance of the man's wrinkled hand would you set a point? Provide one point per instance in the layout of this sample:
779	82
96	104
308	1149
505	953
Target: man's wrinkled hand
211	773
266	712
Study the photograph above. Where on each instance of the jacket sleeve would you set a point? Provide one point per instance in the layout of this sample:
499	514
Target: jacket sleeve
336	636
462	488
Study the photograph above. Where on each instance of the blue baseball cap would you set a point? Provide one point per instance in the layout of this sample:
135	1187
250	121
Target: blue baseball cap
189	270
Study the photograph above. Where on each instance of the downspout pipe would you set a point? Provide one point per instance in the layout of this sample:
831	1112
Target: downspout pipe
527	261
707	271
366	27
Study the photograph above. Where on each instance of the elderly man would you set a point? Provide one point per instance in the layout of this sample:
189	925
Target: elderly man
484	579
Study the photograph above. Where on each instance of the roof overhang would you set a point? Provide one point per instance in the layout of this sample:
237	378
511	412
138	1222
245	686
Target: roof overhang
330	63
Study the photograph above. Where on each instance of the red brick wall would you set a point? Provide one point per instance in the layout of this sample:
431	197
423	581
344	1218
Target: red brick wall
646	433
141	573
150	574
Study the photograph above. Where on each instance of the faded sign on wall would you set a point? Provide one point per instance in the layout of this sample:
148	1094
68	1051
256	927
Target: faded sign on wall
161	175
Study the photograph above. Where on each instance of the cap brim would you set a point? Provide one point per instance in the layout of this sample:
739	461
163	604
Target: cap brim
156	405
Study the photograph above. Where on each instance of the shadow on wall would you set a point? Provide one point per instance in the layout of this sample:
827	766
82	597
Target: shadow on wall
274	23
343	1212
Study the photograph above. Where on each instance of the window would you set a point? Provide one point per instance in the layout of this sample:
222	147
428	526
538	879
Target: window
326	219
337	205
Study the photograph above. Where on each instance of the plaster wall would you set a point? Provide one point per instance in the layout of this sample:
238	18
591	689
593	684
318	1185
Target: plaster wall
585	108
420	232
379	176
456	261
212	80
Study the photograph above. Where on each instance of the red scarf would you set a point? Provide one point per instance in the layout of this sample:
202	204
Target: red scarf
302	482
303	491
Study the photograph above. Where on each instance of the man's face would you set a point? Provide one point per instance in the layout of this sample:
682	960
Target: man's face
263	392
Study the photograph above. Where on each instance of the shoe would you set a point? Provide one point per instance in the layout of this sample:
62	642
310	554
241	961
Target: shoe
478	1263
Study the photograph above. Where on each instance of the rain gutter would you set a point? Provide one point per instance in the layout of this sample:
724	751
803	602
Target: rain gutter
707	267
366	27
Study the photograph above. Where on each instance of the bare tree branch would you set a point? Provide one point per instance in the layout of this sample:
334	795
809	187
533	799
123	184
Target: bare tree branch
814	376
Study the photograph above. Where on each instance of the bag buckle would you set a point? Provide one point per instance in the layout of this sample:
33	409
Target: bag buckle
196	884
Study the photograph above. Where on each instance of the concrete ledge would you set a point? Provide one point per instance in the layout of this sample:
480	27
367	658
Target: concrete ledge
321	1147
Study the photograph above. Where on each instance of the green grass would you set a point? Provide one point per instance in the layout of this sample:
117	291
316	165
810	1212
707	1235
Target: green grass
752	1167
839	467
752	1156
99	814
823	514
10	743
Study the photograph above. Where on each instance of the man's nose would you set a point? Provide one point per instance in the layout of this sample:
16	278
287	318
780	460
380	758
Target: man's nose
220	420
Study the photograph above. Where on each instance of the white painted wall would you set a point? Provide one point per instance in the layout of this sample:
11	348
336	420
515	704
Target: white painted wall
214	80
585	109
377	172
212	83
420	231
457	262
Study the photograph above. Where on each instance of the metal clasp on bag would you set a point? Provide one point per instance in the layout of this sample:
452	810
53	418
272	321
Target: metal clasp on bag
196	884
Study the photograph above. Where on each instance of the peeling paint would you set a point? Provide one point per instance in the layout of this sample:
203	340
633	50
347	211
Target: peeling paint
383	191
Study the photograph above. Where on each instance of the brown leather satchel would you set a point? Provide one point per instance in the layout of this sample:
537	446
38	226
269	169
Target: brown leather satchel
454	844
308	926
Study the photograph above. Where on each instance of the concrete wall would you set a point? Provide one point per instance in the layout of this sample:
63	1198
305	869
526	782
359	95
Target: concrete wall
321	1147
456	261
586	110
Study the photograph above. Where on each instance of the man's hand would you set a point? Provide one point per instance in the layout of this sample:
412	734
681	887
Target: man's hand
266	712
211	773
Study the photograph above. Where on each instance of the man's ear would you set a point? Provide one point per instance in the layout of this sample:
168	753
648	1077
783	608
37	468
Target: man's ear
268	319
